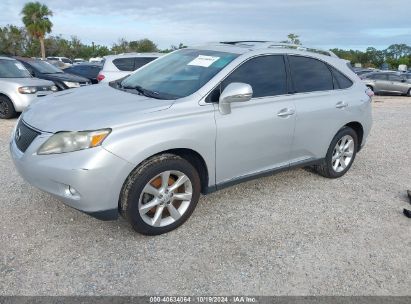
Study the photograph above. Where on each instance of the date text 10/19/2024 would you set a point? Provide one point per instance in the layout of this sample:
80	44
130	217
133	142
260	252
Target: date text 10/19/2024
203	299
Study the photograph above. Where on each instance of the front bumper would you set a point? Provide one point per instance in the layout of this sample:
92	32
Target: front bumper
87	180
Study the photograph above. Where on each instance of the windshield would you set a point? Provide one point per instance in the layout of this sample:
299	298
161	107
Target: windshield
12	69
44	67
179	74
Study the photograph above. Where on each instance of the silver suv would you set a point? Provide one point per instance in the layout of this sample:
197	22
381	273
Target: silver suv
388	82
194	121
18	88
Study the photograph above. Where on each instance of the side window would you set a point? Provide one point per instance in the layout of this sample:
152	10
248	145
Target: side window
310	75
343	81
394	78
124	64
266	75
380	77
140	61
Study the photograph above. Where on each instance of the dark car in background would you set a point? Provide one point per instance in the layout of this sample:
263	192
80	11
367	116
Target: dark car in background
44	70
388	83
87	70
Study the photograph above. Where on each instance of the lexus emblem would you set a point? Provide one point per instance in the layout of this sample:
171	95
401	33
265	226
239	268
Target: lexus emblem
18	134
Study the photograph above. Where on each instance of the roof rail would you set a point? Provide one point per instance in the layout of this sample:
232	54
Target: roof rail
272	44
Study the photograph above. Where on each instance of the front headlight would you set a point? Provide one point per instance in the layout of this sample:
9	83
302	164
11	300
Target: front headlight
54	88
72	84
64	142
27	90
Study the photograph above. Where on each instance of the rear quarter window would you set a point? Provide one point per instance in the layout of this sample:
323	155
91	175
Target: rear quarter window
140	61
342	81
310	75
124	64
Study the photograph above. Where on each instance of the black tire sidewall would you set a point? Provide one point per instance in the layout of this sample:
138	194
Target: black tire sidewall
143	177
11	111
344	131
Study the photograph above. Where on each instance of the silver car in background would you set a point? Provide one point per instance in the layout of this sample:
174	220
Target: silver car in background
194	121
388	83
119	66
18	89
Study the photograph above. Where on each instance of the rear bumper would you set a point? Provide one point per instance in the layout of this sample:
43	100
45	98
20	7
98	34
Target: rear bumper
88	180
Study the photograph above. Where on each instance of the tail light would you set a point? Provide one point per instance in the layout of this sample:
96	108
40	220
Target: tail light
100	77
369	92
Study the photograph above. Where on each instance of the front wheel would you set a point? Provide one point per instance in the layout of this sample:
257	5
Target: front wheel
340	155
160	194
6	108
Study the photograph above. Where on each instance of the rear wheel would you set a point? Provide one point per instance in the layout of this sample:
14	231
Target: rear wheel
6	108
340	155
160	195
409	93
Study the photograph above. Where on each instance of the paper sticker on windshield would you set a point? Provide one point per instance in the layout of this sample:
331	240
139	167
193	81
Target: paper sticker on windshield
20	66
203	61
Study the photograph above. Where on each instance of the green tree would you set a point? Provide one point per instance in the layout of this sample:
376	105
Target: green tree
37	23
292	39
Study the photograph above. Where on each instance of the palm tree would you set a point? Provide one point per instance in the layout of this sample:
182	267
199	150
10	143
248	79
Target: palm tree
35	18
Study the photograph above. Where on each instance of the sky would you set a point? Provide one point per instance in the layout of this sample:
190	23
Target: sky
354	24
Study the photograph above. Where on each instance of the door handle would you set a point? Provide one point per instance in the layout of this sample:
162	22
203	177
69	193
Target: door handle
285	112
341	105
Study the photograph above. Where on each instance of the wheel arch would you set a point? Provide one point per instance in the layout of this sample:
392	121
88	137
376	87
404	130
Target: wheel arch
359	130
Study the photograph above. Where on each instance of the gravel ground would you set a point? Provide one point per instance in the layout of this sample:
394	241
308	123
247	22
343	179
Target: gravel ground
293	233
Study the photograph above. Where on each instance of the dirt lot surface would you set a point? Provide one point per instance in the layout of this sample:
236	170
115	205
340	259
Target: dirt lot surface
294	233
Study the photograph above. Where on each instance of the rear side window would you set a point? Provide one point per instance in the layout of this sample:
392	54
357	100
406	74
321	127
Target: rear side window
140	61
266	75
394	78
124	64
310	75
342	81
380	77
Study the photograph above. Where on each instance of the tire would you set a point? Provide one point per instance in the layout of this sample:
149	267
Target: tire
338	162
7	110
166	212
409	93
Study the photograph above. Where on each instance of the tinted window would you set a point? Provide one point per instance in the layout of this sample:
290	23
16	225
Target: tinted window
310	74
12	69
379	77
342	81
140	61
266	75
124	64
394	78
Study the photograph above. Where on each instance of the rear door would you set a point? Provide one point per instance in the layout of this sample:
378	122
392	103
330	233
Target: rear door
257	135
381	83
320	110
397	85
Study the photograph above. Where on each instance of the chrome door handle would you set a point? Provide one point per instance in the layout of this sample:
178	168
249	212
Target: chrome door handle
285	112
341	105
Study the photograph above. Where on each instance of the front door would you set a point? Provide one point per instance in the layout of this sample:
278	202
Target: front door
257	135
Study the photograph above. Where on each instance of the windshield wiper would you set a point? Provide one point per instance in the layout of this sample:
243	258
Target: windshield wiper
140	90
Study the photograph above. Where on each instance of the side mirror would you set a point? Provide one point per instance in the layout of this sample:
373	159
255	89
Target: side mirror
234	92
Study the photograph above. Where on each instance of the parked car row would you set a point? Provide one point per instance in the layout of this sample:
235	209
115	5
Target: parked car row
22	79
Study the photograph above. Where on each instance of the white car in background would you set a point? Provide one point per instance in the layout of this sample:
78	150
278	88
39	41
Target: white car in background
119	66
66	62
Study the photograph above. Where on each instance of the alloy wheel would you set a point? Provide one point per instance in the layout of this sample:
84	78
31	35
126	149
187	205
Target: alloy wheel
343	153
165	198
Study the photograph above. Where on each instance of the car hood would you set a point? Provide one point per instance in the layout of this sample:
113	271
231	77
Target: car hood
30	81
90	108
64	77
